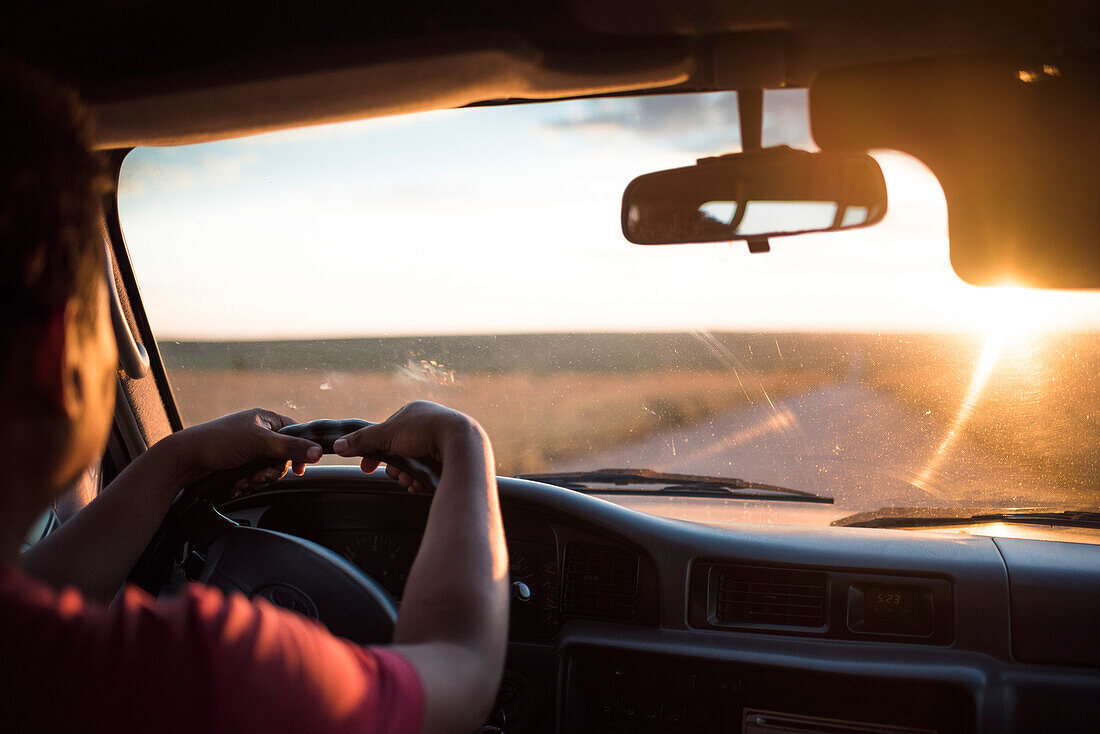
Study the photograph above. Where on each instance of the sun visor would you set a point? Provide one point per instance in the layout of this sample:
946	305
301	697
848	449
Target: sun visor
214	108
1013	144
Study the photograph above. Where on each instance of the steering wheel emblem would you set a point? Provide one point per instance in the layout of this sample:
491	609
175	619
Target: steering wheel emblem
287	597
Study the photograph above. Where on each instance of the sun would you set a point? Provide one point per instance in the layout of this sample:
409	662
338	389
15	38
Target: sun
1012	321
1013	312
1015	327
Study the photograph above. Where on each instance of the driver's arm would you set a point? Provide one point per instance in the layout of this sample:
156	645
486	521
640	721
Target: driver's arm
453	622
97	547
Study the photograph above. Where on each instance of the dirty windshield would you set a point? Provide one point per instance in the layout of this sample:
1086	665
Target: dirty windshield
474	257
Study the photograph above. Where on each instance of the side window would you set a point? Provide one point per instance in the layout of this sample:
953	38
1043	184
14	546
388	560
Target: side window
43	526
84	491
95	478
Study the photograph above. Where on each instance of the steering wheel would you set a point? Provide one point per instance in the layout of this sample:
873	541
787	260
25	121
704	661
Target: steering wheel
286	570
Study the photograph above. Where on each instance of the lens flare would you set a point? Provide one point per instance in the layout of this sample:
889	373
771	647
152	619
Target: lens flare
1016	318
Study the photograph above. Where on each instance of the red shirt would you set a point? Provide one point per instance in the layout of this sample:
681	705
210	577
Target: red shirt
200	662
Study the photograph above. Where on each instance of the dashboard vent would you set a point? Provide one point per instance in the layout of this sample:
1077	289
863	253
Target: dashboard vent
774	596
600	581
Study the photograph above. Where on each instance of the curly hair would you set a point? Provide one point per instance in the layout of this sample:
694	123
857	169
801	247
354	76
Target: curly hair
51	189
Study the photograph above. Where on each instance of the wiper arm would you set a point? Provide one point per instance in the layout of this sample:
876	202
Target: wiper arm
891	518
627	481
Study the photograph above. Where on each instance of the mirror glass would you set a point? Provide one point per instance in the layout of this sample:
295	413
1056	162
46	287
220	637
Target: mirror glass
765	193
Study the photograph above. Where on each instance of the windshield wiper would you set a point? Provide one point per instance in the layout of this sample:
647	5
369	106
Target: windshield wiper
893	518
634	481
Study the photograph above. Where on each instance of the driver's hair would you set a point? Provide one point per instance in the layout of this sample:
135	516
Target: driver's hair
51	189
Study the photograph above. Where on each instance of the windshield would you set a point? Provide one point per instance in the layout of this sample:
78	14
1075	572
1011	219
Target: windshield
474	257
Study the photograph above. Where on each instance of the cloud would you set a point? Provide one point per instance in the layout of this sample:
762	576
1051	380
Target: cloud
173	170
698	123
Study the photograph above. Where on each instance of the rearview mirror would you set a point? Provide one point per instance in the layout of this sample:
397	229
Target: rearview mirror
764	193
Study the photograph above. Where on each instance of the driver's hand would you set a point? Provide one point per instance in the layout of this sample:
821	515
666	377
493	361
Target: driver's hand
237	439
420	430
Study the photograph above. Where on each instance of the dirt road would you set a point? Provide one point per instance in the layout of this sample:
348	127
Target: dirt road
849	441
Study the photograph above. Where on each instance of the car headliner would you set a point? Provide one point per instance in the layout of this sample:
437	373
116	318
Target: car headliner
178	71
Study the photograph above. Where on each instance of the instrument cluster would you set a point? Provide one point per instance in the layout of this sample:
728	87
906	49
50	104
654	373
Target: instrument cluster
387	555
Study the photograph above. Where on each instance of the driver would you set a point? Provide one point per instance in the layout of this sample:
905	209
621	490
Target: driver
74	661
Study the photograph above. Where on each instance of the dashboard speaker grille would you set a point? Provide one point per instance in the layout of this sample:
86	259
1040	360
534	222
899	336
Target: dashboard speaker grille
774	596
600	581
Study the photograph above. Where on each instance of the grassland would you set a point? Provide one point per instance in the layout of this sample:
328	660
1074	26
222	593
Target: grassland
534	419
557	396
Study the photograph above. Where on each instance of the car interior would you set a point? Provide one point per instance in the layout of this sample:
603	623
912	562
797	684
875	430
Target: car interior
661	596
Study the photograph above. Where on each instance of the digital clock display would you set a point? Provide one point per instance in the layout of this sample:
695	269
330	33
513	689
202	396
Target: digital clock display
885	598
894	609
888	609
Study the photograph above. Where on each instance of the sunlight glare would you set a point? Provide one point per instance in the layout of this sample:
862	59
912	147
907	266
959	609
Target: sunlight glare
1015	318
1013	312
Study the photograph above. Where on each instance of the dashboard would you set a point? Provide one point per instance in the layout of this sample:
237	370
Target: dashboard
627	622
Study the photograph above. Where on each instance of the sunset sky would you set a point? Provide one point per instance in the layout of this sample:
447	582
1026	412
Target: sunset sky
506	219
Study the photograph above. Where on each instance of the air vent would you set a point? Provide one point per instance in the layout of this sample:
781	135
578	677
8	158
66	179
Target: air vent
600	581
770	596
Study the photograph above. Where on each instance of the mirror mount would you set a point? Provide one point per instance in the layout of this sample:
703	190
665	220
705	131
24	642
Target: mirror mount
750	114
759	245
